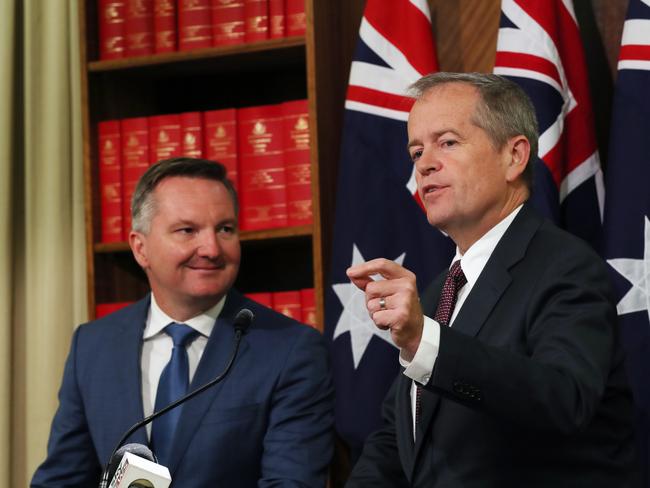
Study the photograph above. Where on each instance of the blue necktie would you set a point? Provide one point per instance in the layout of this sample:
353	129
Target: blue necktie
173	384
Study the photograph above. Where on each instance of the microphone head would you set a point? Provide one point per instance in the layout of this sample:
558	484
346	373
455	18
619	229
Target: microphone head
243	320
139	450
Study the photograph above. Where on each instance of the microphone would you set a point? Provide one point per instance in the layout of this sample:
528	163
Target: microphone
242	321
134	466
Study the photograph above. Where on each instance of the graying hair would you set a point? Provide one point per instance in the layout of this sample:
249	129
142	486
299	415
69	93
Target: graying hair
504	110
143	205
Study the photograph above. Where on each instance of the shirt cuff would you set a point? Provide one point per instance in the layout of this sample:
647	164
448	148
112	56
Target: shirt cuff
421	367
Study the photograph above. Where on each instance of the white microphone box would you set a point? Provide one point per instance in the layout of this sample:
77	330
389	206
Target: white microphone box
137	472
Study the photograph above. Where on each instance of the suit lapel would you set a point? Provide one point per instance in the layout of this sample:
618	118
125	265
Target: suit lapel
127	385
213	361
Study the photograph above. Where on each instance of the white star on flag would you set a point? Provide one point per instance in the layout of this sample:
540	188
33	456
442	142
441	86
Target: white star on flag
355	317
637	272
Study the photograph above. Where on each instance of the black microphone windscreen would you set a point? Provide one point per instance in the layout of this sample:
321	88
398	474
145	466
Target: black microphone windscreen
243	320
138	449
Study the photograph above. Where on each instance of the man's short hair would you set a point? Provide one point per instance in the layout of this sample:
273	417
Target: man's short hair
143	205
504	110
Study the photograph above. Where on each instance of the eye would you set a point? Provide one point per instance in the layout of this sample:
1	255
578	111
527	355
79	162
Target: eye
227	229
415	155
448	143
185	230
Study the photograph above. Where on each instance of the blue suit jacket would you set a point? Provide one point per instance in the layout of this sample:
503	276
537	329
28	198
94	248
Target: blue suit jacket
269	423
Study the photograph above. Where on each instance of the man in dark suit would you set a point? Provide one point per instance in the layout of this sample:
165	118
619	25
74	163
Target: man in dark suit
267	424
518	378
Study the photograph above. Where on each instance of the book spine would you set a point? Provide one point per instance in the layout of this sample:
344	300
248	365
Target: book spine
164	23
308	307
135	161
297	162
261	163
112	15
164	137
296	19
263	298
220	130
138	28
194	24
228	22
287	303
191	134
256	13
276	19
110	180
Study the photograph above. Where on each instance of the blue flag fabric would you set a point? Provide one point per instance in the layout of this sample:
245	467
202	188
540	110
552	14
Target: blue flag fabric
377	214
627	212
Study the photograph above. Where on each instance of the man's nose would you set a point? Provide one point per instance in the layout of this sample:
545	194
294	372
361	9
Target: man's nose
427	163
209	245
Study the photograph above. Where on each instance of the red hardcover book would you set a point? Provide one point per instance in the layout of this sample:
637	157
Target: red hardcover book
256	14
103	309
135	161
262	180
296	162
164	26
194	24
287	303
308	307
228	22
192	134
138	28
112	14
263	298
110	180
276	19
164	137
296	19
220	130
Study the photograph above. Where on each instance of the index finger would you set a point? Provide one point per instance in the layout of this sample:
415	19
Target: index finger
384	267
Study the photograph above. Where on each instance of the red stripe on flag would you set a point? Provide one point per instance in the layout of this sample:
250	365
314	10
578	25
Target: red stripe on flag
407	28
379	98
634	52
506	59
579	127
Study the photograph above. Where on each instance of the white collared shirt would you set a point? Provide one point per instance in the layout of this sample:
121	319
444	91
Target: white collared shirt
157	348
472	263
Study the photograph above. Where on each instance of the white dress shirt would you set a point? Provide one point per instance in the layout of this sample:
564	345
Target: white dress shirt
472	263
157	348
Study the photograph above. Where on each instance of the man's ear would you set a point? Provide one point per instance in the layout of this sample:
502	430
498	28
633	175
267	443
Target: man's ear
519	157
138	243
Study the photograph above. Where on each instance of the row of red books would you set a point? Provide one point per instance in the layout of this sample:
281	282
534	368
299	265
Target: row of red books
142	27
299	304
265	150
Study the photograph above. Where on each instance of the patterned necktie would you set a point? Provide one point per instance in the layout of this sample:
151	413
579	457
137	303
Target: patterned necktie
454	281
173	384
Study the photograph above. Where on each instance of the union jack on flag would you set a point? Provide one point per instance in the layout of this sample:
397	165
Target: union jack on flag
539	47
627	212
376	212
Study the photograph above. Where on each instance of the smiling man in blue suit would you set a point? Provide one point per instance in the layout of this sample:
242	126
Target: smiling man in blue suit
269	423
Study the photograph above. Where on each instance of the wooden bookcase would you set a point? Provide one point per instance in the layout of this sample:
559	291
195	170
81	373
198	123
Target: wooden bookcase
315	67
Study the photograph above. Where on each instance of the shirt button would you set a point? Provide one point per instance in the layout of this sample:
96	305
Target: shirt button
426	378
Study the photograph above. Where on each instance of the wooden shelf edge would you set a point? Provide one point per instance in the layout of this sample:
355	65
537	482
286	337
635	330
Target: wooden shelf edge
245	236
183	56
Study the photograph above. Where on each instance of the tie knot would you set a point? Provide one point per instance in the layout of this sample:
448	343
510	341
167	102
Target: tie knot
181	334
456	274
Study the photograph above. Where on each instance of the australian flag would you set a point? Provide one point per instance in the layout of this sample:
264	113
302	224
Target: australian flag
377	210
539	48
627	212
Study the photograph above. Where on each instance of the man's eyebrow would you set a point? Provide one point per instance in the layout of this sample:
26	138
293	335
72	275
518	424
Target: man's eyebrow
435	134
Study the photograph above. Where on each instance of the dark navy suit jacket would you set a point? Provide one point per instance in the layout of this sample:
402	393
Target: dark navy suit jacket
529	387
269	423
